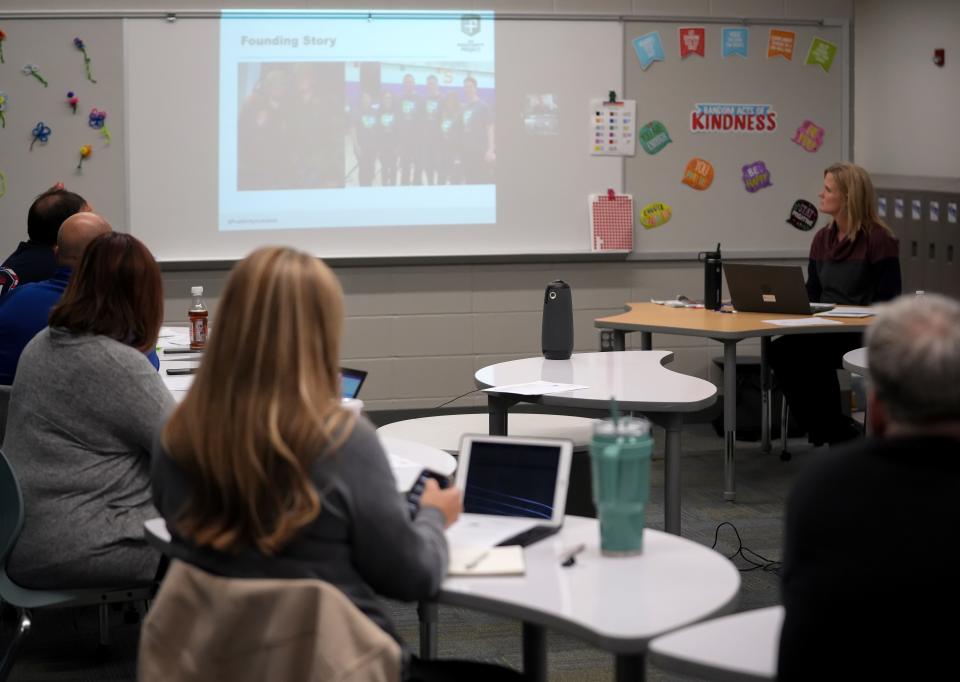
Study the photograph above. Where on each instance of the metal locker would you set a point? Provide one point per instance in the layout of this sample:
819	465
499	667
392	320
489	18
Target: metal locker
933	250
950	238
898	218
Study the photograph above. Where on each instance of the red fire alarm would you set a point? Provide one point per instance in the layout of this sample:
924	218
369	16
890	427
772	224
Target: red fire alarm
938	56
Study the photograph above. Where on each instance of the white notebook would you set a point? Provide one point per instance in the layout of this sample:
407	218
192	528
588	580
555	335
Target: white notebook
490	561
849	311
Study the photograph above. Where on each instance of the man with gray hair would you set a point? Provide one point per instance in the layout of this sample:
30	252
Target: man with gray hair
870	580
24	311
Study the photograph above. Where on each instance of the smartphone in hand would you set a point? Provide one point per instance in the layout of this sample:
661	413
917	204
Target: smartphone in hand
413	497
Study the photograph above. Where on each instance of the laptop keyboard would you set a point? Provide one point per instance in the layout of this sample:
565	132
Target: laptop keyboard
529	536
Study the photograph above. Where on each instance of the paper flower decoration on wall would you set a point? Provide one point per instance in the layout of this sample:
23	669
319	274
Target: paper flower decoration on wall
41	133
77	43
3	36
34	70
97	121
3	108
73	100
85	152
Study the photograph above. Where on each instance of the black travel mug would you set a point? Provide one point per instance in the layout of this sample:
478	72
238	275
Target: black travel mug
712	278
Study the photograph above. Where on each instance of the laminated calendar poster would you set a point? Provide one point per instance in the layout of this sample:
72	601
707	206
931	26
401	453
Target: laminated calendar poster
611	222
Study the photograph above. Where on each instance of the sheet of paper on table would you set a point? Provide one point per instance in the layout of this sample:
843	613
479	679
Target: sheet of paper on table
404	470
492	561
535	388
802	322
178	382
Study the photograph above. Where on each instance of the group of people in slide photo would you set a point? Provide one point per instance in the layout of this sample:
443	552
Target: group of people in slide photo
313	126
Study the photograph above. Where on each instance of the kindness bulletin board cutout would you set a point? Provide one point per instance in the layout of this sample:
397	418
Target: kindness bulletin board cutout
735	125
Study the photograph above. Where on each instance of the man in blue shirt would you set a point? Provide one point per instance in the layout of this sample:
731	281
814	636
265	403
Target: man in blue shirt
25	310
36	259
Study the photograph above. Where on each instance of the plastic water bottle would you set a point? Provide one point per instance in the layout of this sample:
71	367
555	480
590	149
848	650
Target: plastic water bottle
198	319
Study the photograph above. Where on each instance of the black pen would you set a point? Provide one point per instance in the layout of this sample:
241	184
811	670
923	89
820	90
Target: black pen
171	351
173	371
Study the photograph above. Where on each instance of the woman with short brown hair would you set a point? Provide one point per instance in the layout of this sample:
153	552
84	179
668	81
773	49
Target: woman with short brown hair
85	407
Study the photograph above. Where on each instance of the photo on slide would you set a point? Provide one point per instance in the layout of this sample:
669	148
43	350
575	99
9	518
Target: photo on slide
420	124
290	125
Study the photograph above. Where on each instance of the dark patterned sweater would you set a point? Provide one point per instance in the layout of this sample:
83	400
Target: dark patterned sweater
863	271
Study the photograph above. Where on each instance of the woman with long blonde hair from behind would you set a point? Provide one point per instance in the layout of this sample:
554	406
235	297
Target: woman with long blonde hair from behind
262	473
853	261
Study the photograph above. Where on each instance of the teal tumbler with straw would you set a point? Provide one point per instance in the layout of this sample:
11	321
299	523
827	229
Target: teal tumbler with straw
620	463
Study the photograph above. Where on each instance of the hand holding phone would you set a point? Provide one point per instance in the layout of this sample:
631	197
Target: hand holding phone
448	500
430	488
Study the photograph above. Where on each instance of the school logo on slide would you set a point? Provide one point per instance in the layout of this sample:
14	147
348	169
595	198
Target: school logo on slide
470	24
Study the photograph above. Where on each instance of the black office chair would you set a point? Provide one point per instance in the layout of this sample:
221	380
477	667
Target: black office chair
25	600
4	406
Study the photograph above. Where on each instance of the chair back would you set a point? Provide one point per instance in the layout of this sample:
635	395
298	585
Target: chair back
11	510
204	627
4	406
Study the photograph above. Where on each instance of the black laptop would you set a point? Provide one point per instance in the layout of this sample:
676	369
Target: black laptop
770	289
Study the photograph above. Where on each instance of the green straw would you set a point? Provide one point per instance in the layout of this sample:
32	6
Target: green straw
614	412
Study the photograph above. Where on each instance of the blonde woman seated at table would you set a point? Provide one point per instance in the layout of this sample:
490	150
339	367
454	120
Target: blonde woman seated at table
261	473
85	409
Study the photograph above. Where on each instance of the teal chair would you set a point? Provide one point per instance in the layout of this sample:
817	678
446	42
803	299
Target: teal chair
25	600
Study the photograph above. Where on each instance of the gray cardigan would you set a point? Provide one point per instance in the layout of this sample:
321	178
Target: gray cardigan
363	541
84	411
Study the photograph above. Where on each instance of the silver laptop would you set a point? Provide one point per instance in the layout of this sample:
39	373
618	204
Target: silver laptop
514	489
770	289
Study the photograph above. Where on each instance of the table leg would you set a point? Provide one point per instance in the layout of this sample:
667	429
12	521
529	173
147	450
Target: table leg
619	339
646	341
765	394
630	668
497	407
428	613
534	653
671	483
729	419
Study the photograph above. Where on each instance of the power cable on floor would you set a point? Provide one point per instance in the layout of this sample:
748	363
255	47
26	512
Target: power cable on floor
753	559
463	395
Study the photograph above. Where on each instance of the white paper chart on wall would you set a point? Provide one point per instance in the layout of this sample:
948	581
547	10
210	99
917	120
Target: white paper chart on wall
613	127
611	221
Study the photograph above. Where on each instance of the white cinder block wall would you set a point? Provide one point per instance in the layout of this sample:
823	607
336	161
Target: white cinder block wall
423	330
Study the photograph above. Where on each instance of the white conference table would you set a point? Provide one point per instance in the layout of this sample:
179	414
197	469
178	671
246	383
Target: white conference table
637	379
617	604
407	458
857	361
742	647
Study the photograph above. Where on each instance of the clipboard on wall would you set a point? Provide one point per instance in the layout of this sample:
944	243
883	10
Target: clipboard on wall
611	222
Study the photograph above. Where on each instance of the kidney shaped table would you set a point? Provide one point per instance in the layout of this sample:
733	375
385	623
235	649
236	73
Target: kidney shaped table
636	379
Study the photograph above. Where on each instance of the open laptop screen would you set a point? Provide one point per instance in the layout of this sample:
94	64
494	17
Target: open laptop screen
512	479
